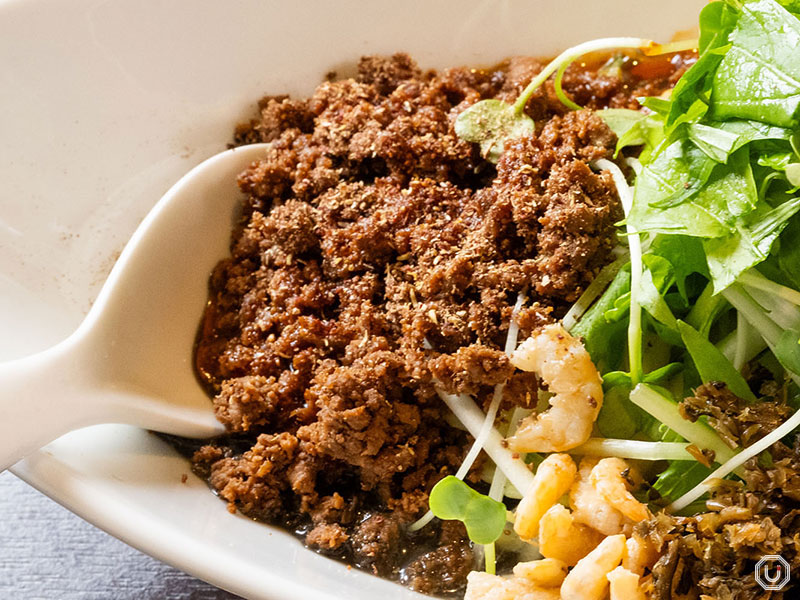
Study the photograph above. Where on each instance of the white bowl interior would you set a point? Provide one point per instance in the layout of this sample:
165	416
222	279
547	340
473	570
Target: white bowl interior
104	106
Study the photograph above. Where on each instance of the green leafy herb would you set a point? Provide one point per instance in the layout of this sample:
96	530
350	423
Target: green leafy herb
717	20
789	252
661	201
604	338
719	139
620	418
623	120
621	378
657	277
690	97
684	253
680	477
484	518
717	143
758	77
634	128
705	310
777	160
617	418
749	245
712	364
787	350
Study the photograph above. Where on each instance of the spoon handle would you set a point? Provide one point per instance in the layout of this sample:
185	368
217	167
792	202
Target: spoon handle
41	399
64	388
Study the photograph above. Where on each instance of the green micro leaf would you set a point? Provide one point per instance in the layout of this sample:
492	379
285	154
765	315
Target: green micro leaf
490	123
717	143
659	106
663	373
674	175
484	518
614	379
731	188
622	120
719	139
620	418
717	20
689	98
776	160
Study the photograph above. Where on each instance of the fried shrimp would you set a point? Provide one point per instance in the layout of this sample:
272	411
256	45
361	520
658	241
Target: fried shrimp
546	572
565	367
587	580
561	538
483	586
608	480
552	480
624	585
640	554
589	507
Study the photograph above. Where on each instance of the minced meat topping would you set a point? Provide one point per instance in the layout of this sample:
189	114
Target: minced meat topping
378	253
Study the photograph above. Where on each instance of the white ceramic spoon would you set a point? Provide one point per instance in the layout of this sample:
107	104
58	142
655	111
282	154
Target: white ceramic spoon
130	361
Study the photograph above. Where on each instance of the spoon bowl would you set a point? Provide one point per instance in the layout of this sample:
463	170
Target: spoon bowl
131	359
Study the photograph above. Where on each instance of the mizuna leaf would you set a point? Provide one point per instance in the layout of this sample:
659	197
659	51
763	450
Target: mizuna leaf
750	244
759	77
787	350
712	364
682	191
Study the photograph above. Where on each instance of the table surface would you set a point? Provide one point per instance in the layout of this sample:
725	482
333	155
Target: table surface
48	553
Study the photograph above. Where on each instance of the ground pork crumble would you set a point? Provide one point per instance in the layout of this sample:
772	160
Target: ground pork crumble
377	252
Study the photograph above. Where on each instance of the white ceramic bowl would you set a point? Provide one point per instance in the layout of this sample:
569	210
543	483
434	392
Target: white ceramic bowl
104	105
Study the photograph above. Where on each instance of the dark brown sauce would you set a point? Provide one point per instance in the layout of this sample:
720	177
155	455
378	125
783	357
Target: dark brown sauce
411	547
